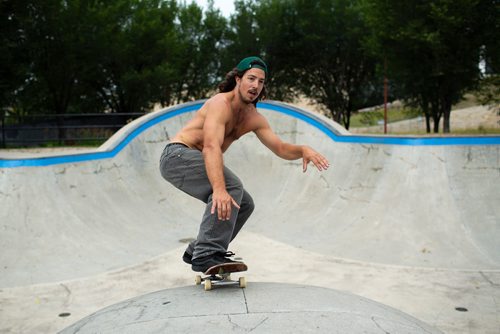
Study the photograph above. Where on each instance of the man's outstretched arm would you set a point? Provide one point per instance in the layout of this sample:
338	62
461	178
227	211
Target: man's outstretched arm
289	151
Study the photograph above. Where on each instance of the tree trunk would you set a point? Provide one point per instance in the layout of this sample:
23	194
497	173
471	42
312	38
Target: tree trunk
347	114
436	123
4	145
446	116
446	122
435	118
425	108
347	122
428	123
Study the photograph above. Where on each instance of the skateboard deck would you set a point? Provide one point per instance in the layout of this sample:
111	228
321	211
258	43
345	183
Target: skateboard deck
220	275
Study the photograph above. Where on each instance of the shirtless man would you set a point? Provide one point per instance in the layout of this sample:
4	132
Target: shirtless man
193	161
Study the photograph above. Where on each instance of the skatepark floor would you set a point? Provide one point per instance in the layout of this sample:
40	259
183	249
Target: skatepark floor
412	227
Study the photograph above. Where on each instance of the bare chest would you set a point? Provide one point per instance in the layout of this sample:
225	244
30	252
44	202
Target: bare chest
235	130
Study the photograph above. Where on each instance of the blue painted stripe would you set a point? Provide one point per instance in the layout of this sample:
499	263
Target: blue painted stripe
305	116
384	140
74	158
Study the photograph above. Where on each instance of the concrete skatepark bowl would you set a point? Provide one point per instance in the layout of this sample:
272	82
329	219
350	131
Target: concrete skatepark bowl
411	224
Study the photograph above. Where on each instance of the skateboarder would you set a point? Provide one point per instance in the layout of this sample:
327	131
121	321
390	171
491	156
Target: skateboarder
193	160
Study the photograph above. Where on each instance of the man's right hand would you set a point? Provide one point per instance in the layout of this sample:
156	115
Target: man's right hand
222	202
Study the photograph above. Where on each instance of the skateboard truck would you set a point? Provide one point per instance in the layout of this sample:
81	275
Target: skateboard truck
220	275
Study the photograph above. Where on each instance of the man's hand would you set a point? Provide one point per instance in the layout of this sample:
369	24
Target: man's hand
310	155
222	202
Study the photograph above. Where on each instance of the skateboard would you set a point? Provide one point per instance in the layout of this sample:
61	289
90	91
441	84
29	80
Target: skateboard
221	275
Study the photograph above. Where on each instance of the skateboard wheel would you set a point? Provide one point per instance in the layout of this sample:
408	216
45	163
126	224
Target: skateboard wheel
197	279
208	285
243	282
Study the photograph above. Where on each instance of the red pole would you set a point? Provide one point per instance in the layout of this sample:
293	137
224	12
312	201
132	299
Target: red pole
385	96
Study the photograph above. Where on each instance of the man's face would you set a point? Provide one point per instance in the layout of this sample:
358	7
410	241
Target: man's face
251	84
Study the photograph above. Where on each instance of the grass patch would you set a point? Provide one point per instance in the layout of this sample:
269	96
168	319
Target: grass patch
376	117
454	132
371	122
468	100
479	131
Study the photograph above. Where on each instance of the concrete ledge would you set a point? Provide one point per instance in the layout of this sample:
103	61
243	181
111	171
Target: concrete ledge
260	308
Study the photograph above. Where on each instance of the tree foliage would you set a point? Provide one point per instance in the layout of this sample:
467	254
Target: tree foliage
325	41
115	56
312	48
130	60
127	55
432	49
200	38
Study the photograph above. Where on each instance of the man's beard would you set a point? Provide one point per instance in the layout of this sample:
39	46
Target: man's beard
245	99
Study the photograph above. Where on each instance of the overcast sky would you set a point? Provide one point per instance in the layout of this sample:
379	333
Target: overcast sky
226	6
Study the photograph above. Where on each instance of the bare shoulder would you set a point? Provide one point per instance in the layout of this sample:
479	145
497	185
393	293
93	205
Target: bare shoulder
219	103
258	121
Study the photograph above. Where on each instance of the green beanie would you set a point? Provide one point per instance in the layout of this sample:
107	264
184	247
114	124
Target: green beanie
252	62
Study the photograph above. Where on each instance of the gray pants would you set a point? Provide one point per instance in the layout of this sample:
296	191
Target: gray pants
185	169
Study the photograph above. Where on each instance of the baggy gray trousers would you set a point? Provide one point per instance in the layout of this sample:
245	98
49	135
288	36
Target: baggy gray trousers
184	168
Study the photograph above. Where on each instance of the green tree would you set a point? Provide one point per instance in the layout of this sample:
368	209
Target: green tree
13	60
432	49
241	36
316	48
112	56
280	41
199	46
130	59
42	51
86	56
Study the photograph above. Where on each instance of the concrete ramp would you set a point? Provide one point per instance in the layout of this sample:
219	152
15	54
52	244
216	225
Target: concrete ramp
262	308
425	209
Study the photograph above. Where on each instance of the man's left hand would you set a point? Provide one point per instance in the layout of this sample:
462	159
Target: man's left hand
310	155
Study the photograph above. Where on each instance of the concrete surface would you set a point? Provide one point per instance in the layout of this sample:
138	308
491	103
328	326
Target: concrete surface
410	223
261	308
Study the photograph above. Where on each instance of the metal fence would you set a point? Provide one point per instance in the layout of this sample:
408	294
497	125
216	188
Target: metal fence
66	129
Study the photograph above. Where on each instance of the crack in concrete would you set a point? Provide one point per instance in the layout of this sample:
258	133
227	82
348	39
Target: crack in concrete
67	298
259	324
327	184
487	279
374	320
246	302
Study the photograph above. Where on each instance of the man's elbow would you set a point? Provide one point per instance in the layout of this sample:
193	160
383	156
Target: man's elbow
210	147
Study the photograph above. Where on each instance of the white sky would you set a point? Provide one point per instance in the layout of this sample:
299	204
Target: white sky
226	6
